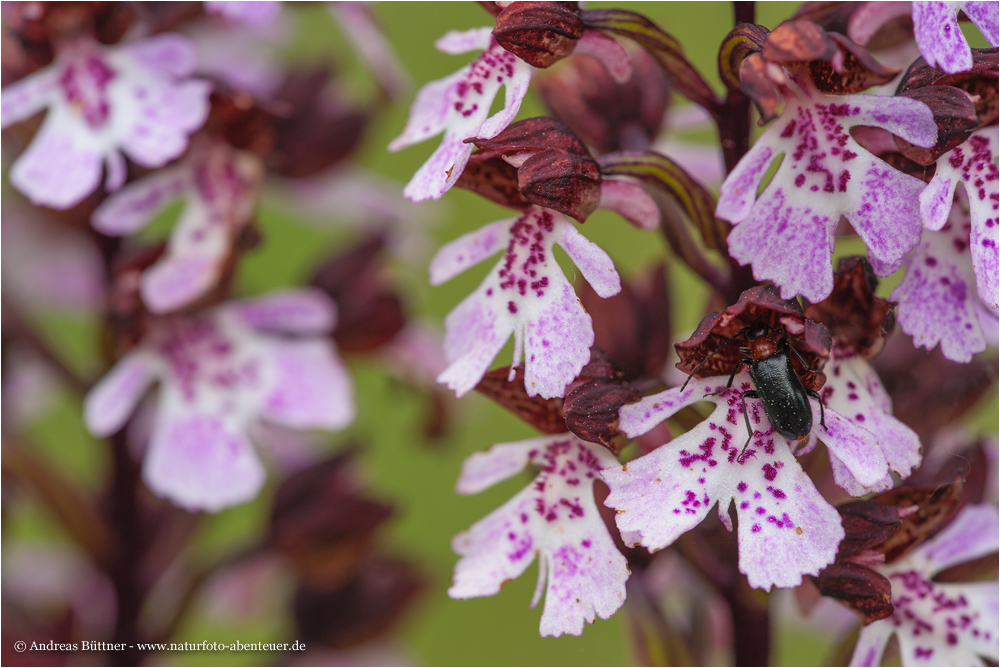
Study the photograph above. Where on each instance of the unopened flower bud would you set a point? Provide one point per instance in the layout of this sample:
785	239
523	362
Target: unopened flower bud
592	405
554	168
567	183
539	33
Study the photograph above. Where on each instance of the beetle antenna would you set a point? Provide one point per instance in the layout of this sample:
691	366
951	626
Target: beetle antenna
714	353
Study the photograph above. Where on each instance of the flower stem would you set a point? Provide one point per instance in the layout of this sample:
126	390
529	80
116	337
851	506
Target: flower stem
123	568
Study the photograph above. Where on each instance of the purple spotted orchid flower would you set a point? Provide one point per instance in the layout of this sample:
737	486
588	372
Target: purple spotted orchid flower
526	295
786	528
854	390
941	42
136	100
937	623
935	28
220	186
556	518
459	105
256	14
974	165
221	371
786	234
937	303
859	322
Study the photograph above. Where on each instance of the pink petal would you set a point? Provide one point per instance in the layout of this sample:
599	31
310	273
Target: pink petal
159	128
854	390
132	208
475	332
797	534
887	217
469	250
558	340
296	311
845	480
658	498
456	42
176	281
25	98
112	400
871	644
974	163
460	105
639	418
608	52
595	265
936	201
587	576
936	301
201	461
484	469
441	171
972	534
255	13
787	244
311	387
787	235
871	16
935	27
117	171
986	16
170	54
359	25
738	193
429	112
528	295
973	640
906	118
515	88
631	201
946	624
853	445
489	556
60	167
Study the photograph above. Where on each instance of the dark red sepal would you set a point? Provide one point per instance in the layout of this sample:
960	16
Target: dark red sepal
593	400
760	304
539	33
545	415
857	319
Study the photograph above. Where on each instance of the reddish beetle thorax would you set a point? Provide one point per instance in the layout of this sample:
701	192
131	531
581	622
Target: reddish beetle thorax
763	347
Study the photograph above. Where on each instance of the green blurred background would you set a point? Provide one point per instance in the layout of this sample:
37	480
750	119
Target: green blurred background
400	467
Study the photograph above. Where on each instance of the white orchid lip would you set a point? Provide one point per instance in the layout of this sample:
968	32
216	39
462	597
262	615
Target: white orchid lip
940	624
104	103
786	234
527	296
556	518
786	528
219	373
220	186
459	106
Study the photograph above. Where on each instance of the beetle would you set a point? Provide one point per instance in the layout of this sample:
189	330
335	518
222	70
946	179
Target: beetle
778	386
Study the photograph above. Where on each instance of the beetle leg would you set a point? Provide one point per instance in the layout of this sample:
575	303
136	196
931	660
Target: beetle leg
731	377
815	395
798	355
714	353
753	394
